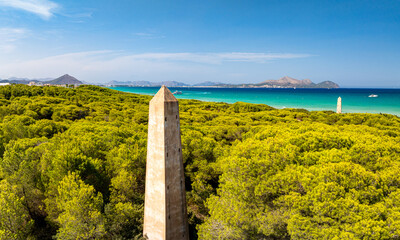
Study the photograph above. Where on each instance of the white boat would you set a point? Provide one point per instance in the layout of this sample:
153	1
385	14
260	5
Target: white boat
177	93
373	95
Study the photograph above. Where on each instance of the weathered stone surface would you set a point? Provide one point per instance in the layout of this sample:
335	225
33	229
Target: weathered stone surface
165	214
339	105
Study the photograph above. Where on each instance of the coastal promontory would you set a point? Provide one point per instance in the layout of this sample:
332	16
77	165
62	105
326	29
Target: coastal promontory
284	82
288	82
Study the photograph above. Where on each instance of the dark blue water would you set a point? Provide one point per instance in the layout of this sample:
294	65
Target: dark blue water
353	99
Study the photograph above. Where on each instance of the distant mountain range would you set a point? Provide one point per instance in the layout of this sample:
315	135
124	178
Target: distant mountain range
19	80
65	79
288	82
147	83
285	82
208	84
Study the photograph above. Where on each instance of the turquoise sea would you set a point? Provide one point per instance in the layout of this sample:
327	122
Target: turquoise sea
354	100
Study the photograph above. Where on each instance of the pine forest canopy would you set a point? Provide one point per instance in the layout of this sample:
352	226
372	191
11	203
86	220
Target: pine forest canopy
72	166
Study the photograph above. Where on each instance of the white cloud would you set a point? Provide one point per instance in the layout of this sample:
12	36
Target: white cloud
103	66
215	58
9	37
259	57
145	35
43	8
11	34
7	48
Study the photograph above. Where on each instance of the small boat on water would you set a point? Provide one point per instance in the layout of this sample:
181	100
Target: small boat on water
177	93
373	95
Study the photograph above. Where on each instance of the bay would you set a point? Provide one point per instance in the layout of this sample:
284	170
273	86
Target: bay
354	100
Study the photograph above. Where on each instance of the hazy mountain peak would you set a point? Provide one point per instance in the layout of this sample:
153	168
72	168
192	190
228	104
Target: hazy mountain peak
65	79
287	81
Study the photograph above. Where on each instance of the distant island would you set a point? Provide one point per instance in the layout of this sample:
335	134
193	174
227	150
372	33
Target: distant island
63	80
285	82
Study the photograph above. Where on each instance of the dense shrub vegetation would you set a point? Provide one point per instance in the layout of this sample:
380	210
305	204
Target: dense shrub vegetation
72	166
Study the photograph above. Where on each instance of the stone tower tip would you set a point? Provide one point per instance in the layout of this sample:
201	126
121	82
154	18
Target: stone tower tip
164	95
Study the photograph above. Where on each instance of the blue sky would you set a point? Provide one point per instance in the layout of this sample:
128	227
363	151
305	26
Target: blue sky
353	43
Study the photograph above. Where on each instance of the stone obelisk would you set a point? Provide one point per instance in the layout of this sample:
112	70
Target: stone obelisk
339	105
165	214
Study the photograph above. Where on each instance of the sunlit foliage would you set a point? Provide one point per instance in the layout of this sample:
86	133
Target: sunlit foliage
72	166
